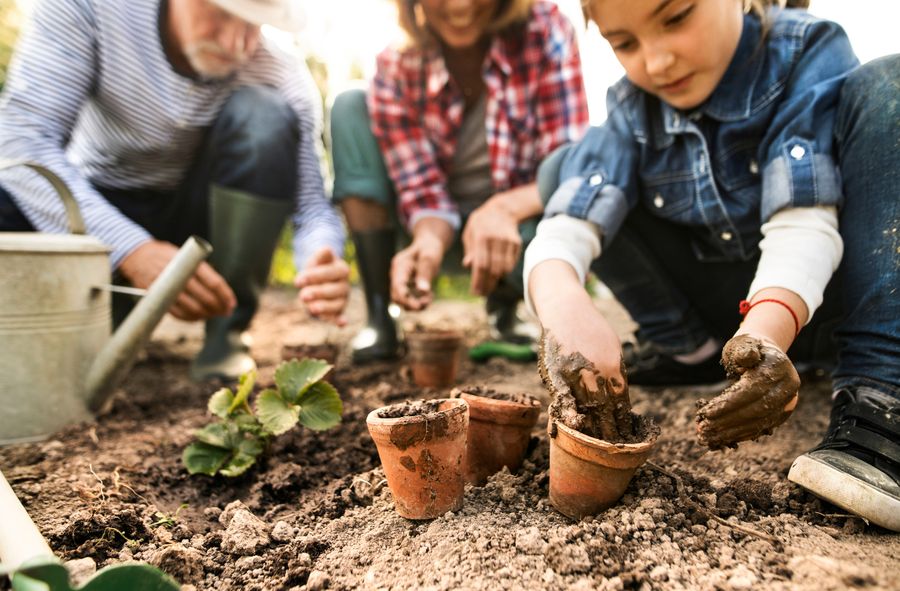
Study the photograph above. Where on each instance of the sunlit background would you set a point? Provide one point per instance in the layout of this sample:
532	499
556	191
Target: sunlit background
346	34
343	36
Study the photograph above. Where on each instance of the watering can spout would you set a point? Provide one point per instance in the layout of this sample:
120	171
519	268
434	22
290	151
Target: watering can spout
116	357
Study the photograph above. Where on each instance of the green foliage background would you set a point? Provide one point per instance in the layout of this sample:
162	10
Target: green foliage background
10	23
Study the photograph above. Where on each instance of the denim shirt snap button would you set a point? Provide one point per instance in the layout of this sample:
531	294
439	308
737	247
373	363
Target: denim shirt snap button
658	201
726	236
754	167
798	152
595	180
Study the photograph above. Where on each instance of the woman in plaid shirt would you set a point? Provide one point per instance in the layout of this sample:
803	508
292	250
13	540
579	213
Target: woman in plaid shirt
451	132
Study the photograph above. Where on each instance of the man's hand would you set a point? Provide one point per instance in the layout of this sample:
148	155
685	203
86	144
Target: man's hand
412	270
763	396
324	286
491	246
206	294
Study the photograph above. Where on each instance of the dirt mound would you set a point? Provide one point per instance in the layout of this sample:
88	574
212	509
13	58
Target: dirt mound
317	513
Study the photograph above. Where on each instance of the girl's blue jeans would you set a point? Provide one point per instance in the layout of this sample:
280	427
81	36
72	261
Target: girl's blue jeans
679	301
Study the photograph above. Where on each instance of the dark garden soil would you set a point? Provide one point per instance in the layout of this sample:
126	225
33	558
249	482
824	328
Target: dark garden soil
317	514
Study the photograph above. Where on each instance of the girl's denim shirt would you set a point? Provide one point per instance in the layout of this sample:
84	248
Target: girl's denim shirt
762	142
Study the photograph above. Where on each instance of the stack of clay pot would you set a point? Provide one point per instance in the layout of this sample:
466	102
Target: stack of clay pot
430	449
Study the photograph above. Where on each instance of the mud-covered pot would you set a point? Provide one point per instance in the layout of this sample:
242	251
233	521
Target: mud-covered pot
434	356
423	456
589	475
499	432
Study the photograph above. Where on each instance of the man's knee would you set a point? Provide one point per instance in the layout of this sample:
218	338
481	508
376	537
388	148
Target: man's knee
260	116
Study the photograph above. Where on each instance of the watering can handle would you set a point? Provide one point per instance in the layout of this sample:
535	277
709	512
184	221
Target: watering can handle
73	215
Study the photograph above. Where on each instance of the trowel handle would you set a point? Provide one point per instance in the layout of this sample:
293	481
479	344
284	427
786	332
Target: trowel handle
116	357
20	539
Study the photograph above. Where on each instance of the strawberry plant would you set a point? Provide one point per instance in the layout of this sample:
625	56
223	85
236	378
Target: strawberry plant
231	445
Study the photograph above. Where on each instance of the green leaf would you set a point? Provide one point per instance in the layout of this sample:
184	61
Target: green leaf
276	415
216	434
220	403
248	450
245	387
202	458
238	465
247	423
294	377
320	407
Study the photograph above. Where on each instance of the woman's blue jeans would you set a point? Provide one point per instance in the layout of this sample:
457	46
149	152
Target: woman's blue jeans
679	301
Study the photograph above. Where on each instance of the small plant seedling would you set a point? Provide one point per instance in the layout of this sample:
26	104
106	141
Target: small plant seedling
166	520
231	445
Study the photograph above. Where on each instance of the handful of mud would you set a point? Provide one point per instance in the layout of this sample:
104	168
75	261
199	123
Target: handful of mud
761	397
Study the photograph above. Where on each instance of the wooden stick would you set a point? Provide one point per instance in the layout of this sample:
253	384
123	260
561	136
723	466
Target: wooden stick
682	494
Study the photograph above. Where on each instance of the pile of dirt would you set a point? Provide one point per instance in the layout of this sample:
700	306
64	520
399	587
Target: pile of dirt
317	513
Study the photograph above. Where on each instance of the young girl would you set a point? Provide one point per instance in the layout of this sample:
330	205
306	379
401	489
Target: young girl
450	135
738	144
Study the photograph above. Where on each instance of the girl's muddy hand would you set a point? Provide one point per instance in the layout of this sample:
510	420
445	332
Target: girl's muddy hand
583	398
762	396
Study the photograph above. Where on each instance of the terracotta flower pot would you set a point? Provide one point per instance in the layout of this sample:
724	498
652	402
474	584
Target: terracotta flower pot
499	431
589	475
422	447
325	351
434	356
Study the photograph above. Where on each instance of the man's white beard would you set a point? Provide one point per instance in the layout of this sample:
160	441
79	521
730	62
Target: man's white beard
202	57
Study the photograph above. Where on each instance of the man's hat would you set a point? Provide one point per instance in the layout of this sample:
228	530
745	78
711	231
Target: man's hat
281	14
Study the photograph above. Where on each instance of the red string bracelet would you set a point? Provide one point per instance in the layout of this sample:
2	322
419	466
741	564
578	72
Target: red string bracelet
745	307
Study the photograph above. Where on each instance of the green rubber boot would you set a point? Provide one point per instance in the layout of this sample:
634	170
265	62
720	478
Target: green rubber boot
378	340
244	230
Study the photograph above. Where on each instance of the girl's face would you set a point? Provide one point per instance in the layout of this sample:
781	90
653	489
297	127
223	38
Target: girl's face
677	50
459	23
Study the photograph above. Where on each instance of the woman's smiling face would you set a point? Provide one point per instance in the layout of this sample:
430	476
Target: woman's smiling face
677	50
459	23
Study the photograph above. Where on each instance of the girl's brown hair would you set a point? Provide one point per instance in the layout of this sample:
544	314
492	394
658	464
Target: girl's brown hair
758	7
412	19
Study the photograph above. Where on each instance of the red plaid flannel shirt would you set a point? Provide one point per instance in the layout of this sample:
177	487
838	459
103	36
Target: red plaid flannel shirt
535	102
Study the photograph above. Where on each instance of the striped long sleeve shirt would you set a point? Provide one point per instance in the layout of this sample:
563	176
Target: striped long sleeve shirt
92	96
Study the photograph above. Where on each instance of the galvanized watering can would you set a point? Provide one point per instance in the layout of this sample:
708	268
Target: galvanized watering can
58	358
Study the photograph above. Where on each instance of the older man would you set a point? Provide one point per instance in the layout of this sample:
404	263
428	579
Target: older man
168	118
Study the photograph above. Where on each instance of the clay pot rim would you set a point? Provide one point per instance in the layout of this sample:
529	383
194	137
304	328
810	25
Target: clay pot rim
499	402
457	406
502	412
434	335
594	445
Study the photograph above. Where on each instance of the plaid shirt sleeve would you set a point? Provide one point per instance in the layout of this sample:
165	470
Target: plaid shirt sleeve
562	112
396	107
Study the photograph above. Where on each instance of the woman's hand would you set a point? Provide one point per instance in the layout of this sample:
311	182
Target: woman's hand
763	395
414	267
491	246
324	286
491	241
